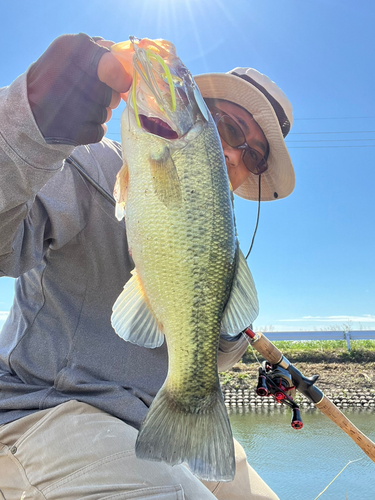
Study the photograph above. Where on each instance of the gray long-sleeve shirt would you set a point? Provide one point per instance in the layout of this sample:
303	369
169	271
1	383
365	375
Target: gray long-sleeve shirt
60	238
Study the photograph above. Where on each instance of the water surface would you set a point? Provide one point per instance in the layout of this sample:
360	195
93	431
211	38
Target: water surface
299	464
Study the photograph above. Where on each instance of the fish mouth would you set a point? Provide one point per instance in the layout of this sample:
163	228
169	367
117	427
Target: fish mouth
156	126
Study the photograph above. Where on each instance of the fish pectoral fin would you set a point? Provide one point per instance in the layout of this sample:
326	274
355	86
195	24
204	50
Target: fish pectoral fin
132	318
120	191
242	307
165	178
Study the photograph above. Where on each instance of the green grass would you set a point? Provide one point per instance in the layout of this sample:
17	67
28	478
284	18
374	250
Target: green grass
325	345
323	350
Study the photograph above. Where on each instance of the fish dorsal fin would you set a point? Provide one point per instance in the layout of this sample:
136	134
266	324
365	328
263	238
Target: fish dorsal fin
242	307
120	191
132	318
165	178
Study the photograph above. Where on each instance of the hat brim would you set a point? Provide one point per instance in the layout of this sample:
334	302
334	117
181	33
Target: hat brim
279	180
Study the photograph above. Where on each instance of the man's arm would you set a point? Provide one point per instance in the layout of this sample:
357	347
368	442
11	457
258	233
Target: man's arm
230	352
42	120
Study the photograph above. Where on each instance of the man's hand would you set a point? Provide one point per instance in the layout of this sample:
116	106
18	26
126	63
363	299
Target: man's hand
111	72
73	87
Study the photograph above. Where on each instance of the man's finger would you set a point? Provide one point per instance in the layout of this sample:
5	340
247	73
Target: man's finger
112	73
103	43
109	115
115	100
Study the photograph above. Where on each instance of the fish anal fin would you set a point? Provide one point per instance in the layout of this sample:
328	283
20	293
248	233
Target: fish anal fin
242	307
165	178
120	191
132	318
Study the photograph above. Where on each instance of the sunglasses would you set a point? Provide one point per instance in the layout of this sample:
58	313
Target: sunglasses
233	135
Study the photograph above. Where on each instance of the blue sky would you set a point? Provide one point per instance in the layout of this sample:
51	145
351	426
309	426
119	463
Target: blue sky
313	256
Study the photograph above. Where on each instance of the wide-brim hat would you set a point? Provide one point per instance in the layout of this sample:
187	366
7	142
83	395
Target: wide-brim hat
271	109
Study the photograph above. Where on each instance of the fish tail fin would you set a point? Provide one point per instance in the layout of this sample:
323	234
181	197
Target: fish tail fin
203	439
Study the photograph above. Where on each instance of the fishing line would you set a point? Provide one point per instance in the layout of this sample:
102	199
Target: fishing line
334	479
257	221
252	348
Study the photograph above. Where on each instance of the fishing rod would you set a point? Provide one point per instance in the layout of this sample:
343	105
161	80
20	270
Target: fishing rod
306	385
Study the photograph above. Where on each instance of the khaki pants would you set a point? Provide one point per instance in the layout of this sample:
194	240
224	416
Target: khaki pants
75	451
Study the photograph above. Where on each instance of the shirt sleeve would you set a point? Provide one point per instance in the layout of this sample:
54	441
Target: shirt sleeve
26	165
230	352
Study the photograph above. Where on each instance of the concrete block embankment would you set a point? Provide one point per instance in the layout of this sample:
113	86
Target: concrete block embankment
342	399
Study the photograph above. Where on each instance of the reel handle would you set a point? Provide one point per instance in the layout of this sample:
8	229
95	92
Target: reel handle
262	389
296	422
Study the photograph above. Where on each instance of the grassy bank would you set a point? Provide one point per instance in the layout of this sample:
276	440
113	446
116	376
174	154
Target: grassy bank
322	351
338	368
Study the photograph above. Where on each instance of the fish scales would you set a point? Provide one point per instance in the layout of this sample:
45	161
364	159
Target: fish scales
191	281
185	254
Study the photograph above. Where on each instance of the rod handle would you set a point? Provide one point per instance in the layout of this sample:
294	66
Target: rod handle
265	347
333	413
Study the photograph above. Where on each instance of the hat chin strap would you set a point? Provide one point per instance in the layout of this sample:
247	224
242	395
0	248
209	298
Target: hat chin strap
257	221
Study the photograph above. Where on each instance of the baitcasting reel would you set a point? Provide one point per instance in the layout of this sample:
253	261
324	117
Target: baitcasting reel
277	382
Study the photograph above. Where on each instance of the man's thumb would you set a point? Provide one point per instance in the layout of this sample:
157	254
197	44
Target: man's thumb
112	73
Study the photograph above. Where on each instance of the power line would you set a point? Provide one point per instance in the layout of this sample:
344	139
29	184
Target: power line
319	147
322	118
322	147
289	143
338	118
349	132
309	140
307	133
330	140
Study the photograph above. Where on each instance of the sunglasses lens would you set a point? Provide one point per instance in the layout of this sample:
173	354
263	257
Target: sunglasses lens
233	135
230	132
254	162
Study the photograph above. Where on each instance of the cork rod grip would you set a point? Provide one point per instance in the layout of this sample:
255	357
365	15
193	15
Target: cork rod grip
332	412
269	351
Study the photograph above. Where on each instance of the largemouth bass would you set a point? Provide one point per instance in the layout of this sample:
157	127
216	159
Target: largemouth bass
191	281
